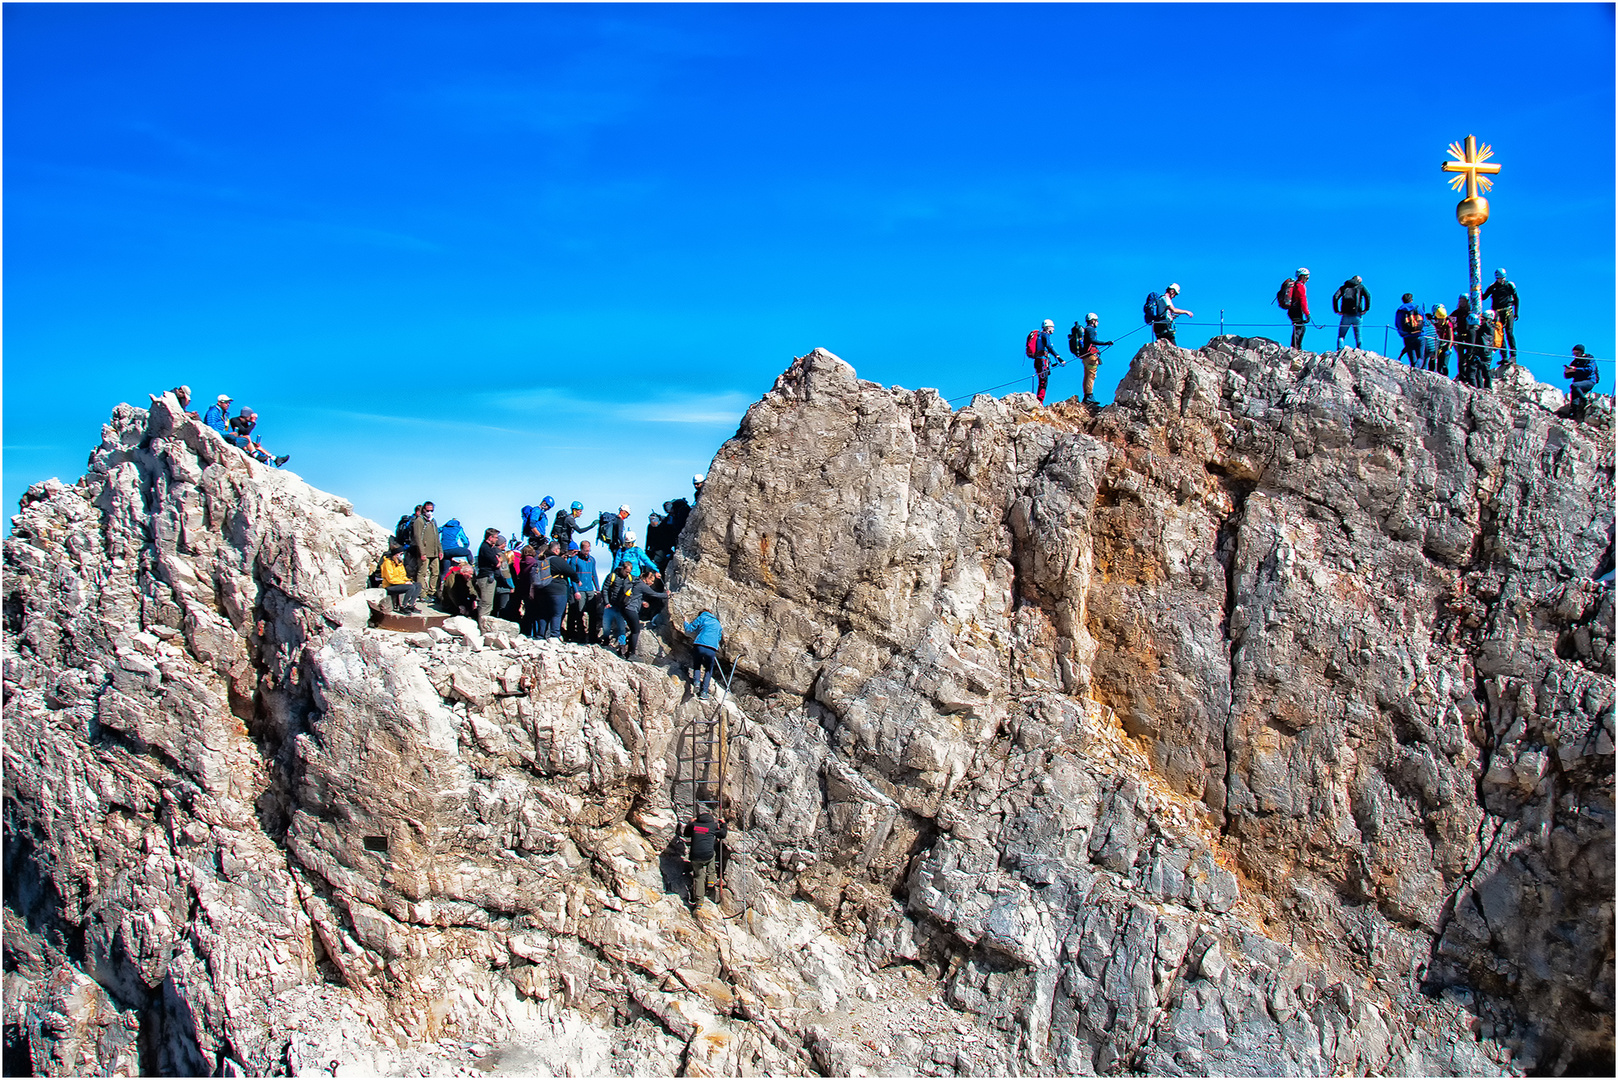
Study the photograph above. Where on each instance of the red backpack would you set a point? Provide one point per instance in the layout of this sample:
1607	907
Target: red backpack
1033	343
1283	295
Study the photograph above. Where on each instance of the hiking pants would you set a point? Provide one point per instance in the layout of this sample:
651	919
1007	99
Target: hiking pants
705	660
1349	321
614	626
1164	331
549	606
633	619
427	575
1412	349
1042	374
1298	327
1508	328
1092	360
409	590
485	589
1439	361
702	876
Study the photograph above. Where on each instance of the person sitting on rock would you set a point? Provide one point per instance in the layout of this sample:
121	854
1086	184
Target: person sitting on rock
702	835
453	539
241	435
182	394
397	582
706	633
218	415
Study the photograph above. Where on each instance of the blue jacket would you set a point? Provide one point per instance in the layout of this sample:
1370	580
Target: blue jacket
535	517
215	418
451	535
1397	321
706	628
1044	347
586	567
637	557
1092	339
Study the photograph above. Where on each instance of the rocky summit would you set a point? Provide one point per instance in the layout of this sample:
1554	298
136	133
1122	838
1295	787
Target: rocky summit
1259	723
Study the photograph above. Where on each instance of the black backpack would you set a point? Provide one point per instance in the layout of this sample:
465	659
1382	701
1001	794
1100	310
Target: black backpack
1075	340
539	574
618	589
402	533
1283	295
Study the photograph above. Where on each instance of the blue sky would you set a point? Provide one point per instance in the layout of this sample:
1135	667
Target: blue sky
481	254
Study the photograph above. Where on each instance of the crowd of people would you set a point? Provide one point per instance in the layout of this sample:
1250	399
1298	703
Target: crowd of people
237	430
1428	334
545	577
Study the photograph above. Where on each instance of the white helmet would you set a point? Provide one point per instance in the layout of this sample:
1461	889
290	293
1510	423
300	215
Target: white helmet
629	538
1174	287
697	478
1048	325
1303	271
1092	317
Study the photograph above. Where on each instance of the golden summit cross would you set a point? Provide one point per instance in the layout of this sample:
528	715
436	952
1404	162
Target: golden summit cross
1469	160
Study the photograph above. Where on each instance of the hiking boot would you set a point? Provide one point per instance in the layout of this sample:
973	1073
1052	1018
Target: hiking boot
1092	402
282	460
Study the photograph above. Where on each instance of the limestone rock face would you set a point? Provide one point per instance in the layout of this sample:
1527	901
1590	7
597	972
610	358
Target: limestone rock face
1262	723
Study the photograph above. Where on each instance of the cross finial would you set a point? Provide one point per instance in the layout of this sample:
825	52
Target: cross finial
1469	161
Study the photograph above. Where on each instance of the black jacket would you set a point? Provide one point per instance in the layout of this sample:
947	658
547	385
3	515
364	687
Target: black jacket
703	835
1502	295
490	564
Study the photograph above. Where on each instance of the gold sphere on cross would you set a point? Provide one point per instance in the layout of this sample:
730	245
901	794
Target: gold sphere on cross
1472	211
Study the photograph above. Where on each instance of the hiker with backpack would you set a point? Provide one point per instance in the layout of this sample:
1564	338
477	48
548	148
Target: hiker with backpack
1582	370
1041	351
1407	320
569	524
634	556
1293	297
1352	301
645	602
1160	313
610	529
1503	295
536	522
549	580
453	538
615	592
1085	344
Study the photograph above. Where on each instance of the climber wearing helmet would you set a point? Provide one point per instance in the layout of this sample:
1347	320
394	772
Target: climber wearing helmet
1043	352
1298	309
536	521
569	522
1503	295
634	556
1582	370
1090	347
1164	313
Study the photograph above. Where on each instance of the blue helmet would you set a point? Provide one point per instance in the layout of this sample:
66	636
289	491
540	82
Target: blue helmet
547	502
1500	274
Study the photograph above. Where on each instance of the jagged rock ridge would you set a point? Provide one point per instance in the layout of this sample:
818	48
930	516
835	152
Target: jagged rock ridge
1262	723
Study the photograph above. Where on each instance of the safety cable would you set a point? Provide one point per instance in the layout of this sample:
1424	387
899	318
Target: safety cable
1025	378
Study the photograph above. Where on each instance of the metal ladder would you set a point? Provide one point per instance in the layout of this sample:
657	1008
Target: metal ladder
700	762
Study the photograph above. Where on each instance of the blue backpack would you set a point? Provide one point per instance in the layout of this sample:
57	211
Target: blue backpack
1153	308
533	518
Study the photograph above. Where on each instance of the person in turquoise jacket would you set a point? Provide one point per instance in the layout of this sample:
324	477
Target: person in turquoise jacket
634	555
706	633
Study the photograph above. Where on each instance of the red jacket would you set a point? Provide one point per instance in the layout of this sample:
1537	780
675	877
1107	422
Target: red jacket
1300	302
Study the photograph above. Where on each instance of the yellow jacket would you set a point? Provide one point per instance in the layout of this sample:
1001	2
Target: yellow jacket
393	571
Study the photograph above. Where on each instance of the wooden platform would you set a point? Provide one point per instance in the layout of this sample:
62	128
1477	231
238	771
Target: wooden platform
385	618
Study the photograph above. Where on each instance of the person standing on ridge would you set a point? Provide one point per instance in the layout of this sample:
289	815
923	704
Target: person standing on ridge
536	522
588	629
1443	341
706	633
569	523
610	530
429	550
1298	306
1582	370
1042	352
1407	320
492	573
1161	313
1503	295
1351	301
1088	351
